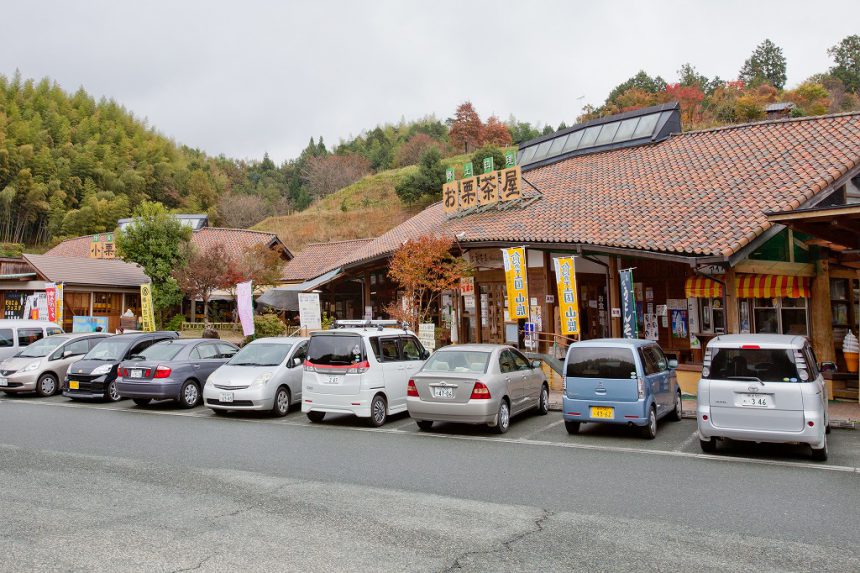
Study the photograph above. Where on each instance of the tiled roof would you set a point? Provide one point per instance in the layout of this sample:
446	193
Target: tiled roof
703	193
96	272
318	258
234	240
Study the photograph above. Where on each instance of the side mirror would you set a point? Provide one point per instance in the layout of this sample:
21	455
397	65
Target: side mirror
425	354
535	363
67	353
827	367
297	361
673	364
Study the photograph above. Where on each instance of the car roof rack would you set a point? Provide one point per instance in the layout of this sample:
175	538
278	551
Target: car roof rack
365	324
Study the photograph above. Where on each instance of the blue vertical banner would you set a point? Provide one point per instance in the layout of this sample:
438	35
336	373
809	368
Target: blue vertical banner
628	304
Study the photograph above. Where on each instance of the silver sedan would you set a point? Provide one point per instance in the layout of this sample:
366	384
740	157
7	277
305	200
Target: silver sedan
476	384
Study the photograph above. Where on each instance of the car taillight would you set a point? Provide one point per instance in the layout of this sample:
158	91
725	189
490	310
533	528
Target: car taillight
309	367
480	391
750	346
123	372
640	387
359	368
412	389
162	372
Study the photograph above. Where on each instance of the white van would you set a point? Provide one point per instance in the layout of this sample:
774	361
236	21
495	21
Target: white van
16	333
360	368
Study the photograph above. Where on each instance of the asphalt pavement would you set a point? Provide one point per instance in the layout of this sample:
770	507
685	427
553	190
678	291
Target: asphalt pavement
93	486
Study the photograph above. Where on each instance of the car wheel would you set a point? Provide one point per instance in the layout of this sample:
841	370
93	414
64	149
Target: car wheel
827	428
543	401
649	431
316	417
571	427
425	425
47	385
111	393
678	410
189	394
282	403
142	401
378	411
820	454
503	418
708	446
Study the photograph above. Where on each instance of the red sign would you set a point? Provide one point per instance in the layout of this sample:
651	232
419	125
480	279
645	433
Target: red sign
51	299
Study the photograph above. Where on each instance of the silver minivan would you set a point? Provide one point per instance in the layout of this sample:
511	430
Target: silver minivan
17	333
41	366
763	388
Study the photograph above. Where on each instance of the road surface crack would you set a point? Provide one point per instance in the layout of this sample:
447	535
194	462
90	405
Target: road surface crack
506	544
196	567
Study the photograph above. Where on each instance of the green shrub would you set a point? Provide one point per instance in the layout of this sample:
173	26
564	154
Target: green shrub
175	323
266	325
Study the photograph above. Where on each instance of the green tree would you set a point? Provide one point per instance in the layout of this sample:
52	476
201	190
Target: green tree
641	81
766	64
689	76
488	151
846	56
427	181
156	241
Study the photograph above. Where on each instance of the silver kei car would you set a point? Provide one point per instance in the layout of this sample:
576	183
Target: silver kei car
763	388
40	366
266	375
476	384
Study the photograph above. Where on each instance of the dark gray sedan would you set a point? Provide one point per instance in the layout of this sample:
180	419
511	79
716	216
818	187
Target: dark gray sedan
172	370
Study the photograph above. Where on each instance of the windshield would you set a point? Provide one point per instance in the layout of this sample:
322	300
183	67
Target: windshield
43	347
335	350
607	363
107	350
166	350
261	354
458	361
754	365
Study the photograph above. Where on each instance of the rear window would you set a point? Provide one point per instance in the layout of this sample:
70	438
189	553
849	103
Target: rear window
601	363
161	351
335	350
754	365
458	361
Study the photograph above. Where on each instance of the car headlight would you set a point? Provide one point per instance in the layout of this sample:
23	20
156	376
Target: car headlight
103	369
31	366
262	379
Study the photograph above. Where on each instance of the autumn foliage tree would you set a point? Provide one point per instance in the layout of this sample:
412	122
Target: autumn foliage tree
326	174
204	272
258	264
467	129
423	268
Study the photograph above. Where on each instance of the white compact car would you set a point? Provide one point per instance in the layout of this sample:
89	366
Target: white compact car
360	368
763	388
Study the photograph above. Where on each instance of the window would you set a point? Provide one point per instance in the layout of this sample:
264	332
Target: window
390	352
162	351
649	364
77	348
713	315
658	357
6	339
520	361
141	346
781	315
301	352
374	344
27	336
506	362
626	129
227	351
793	315
584	362
52	330
42	347
205	351
458	361
557	145
92	342
607	134
572	141
589	136
765	365
107	350
333	349
411	348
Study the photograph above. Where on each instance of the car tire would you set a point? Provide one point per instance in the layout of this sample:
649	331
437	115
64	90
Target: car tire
316	417
281	407
503	418
378	411
111	393
649	430
543	401
571	427
189	394
678	410
708	446
47	385
425	425
142	401
820	454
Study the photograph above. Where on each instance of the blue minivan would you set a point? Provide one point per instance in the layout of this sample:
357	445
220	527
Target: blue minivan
619	381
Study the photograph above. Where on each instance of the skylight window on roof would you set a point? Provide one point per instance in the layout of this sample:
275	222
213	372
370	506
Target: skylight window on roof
542	150
607	133
646	126
626	129
589	136
557	145
528	154
572	141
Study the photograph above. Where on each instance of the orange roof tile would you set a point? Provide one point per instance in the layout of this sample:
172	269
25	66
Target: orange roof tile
318	258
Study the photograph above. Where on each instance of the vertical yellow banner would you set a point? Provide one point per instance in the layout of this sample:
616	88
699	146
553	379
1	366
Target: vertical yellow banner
147	313
516	271
568	303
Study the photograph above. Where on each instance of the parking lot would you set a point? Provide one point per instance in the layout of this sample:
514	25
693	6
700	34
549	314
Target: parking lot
673	438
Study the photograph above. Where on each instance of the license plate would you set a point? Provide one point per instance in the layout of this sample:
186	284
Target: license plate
136	373
442	392
4	382
74	384
602	412
755	400
333	380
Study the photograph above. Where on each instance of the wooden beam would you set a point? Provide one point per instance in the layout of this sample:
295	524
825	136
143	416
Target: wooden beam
730	294
821	321
776	268
614	297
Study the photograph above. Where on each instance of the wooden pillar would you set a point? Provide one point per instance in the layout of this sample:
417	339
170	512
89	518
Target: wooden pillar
730	295
549	307
365	293
479	325
614	298
821	314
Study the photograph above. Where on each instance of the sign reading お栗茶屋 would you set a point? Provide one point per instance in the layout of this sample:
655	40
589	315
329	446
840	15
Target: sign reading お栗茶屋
490	187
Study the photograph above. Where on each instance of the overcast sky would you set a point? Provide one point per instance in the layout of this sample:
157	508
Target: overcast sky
245	77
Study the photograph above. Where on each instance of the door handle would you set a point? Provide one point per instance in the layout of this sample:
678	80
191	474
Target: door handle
196	366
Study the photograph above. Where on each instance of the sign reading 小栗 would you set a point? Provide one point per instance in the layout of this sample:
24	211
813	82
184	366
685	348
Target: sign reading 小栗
482	190
517	282
102	246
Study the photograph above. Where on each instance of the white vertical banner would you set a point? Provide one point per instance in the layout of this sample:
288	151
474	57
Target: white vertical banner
245	304
310	314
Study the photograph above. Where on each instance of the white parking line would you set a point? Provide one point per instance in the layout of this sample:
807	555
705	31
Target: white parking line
542	430
693	437
515	441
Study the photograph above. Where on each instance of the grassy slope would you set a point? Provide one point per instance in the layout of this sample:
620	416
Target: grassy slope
367	208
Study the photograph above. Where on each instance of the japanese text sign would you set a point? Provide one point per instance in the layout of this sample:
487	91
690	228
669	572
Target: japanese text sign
449	175
628	305
488	165
450	196
516	271
147	312
511	184
488	189
468	193
568	303
468	171
510	158
482	190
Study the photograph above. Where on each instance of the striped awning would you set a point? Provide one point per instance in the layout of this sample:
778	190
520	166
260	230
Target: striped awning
702	287
770	286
